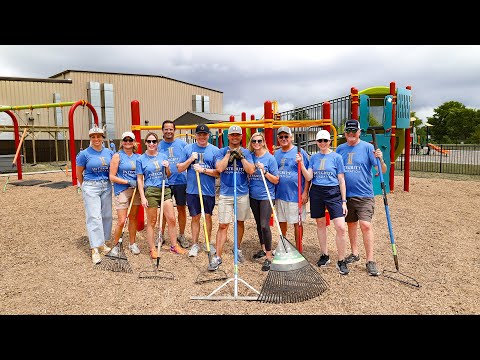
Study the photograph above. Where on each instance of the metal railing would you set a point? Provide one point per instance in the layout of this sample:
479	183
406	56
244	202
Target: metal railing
450	159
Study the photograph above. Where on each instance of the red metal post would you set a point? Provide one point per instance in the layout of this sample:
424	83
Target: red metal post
71	132
135	111
326	114
244	131
268	115
252	118
17	142
392	139
354	103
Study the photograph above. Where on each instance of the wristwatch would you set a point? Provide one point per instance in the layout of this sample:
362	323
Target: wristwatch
265	172
204	170
344	200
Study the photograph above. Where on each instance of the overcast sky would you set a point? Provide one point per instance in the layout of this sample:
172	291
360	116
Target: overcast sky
294	75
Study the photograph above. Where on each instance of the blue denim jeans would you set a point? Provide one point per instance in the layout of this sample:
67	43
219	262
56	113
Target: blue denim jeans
97	198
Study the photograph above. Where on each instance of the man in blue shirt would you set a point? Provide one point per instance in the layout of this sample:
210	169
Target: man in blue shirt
359	157
174	149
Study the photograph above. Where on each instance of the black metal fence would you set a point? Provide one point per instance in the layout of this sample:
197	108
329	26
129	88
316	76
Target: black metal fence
450	159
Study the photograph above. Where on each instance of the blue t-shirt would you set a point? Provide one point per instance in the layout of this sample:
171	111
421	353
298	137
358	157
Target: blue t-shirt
152	169
96	163
206	158
126	170
174	151
326	168
226	177
287	187
257	187
358	161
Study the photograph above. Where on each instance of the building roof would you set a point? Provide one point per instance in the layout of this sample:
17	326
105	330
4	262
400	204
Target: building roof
115	73
194	118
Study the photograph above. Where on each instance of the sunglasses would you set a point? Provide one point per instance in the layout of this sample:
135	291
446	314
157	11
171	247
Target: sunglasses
322	140
350	130
151	141
127	140
283	137
259	141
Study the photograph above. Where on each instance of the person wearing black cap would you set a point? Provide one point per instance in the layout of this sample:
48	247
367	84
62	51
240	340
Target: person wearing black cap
359	157
200	156
173	148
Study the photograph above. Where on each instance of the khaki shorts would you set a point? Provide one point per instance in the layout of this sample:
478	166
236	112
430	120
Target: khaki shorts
225	208
287	211
122	200
154	195
360	209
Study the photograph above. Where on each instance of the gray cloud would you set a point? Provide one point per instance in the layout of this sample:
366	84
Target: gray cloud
293	75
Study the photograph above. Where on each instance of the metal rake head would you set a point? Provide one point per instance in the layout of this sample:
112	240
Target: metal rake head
209	276
398	276
292	286
115	265
156	274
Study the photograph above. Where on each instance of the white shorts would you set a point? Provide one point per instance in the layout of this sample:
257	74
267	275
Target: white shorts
122	200
288	211
225	208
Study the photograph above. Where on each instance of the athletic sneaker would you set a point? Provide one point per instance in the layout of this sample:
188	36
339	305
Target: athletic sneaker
266	265
183	241
194	250
134	249
213	251
177	250
215	263
372	268
352	258
104	249
156	241
114	252
324	260
342	267
240	257
259	254
96	259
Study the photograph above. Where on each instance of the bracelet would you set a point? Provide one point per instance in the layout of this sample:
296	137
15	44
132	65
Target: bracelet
344	201
265	172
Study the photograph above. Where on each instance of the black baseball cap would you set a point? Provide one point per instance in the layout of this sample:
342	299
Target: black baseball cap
202	128
352	125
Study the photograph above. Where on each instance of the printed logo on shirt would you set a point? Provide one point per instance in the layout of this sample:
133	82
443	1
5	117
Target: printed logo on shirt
102	159
282	164
170	152
322	164
350	158
201	158
157	167
133	165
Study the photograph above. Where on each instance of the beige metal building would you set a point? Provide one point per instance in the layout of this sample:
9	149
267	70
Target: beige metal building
111	94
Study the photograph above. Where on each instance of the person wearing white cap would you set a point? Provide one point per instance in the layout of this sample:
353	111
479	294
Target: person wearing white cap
286	203
93	165
124	179
224	165
359	157
327	173
174	149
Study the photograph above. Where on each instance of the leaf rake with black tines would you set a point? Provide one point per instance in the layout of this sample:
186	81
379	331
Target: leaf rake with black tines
291	277
116	260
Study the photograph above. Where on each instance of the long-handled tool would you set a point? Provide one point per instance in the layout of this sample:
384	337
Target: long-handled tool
19	147
219	274
158	273
408	280
116	260
300	203
291	277
235	278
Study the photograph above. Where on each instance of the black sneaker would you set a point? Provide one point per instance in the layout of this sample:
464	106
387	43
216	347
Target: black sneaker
372	268
352	258
324	260
342	267
259	254
266	265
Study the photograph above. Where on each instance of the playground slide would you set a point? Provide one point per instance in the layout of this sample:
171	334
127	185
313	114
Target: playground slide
437	148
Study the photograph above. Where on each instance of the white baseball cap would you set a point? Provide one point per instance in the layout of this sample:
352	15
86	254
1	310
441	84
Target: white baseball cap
96	130
323	134
128	134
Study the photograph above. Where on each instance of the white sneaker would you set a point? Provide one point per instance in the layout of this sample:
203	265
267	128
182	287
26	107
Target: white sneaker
134	249
240	257
104	249
194	250
114	252
96	259
213	251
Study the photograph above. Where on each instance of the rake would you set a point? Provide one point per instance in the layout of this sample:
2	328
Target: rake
158	273
291	277
405	279
219	274
115	259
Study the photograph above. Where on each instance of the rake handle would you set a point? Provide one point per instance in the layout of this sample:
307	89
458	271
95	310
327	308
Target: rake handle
202	209
385	201
160	227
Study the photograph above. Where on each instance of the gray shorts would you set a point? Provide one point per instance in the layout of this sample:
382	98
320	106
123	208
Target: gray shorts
287	211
